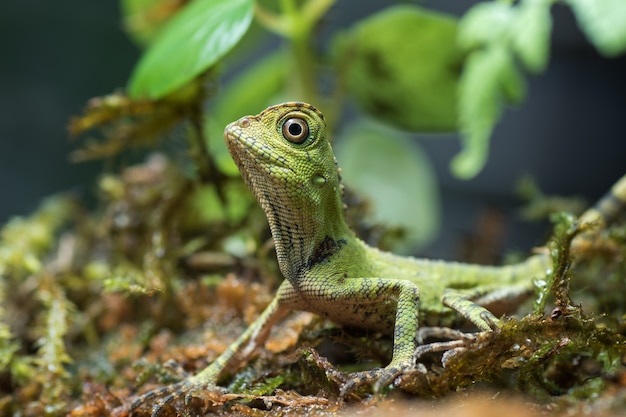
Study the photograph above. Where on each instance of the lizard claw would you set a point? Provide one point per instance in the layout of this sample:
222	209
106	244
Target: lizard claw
377	378
162	397
459	341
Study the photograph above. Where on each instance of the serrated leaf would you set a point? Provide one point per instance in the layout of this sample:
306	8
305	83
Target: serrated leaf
486	77
402	67
531	34
483	23
604	23
248	93
392	172
191	42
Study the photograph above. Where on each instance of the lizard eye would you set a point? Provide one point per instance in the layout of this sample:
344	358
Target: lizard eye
295	130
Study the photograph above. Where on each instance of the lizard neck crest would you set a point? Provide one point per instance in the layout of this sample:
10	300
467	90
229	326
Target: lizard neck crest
286	160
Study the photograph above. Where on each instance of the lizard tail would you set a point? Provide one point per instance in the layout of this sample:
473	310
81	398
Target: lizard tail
609	208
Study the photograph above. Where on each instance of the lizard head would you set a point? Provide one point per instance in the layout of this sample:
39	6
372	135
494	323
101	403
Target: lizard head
284	156
286	160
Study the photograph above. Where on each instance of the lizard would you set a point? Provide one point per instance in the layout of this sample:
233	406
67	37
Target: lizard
286	159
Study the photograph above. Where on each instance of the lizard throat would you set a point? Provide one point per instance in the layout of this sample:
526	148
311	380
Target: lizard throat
301	239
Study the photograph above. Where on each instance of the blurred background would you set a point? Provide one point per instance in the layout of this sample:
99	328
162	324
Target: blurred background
569	134
53	60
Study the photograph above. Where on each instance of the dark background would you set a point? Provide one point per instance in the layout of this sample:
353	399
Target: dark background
54	58
569	133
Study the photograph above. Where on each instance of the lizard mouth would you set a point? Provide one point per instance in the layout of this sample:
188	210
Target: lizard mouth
248	151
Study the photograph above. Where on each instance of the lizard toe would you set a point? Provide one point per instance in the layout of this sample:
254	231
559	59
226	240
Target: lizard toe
386	378
376	378
460	342
163	397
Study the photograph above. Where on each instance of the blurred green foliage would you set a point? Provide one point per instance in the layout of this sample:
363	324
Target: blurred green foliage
411	68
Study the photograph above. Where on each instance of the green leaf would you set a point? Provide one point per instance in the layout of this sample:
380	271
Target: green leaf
489	76
248	93
192	41
531	33
144	18
484	23
604	23
390	170
402	67
512	83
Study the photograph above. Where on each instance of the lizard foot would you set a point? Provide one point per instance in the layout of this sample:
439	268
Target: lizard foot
459	341
163	397
377	378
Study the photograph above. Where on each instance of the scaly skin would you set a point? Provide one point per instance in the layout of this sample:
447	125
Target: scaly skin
286	160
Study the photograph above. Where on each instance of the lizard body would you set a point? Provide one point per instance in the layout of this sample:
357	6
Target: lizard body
286	160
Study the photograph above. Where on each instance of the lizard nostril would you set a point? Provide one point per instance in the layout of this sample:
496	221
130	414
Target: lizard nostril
244	122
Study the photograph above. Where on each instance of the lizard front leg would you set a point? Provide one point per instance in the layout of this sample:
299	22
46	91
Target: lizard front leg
353	297
254	336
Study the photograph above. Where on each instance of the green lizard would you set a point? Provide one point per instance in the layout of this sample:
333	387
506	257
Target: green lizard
286	160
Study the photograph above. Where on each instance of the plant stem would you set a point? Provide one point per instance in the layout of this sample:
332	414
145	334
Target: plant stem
296	24
304	63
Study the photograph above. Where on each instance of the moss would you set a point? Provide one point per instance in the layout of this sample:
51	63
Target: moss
99	321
